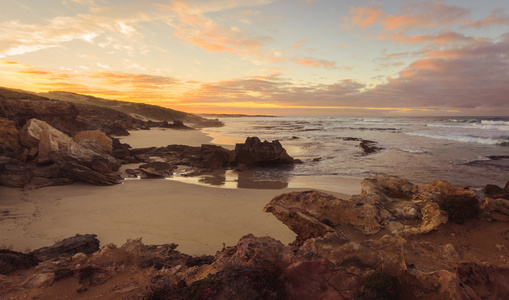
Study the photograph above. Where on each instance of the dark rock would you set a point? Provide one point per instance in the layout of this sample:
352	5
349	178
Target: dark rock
158	169
369	147
63	273
81	243
256	153
488	281
459	208
310	280
494	191
12	260
175	125
14	173
9	139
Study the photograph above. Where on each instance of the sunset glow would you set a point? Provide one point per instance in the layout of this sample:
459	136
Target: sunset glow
277	57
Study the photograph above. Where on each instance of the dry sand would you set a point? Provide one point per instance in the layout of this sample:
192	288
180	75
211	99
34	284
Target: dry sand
160	137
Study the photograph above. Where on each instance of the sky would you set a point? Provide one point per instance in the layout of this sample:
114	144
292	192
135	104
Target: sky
278	57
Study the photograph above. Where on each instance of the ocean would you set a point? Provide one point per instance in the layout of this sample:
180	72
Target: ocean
467	151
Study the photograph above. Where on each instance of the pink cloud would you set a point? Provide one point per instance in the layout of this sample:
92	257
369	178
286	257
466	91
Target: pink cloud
316	63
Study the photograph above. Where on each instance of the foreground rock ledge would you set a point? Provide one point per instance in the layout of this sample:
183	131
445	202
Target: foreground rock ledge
339	254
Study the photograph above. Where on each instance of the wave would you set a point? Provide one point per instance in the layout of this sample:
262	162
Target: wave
494	125
460	138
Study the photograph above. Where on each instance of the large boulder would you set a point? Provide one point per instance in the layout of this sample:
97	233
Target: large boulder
382	189
9	138
256	153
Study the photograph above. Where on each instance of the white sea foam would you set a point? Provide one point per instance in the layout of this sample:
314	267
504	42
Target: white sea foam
458	138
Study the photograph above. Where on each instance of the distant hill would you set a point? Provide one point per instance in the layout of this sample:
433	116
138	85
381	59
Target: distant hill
138	110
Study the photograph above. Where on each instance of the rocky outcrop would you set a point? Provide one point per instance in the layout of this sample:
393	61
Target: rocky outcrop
256	153
9	138
95	139
81	243
157	169
14	173
12	260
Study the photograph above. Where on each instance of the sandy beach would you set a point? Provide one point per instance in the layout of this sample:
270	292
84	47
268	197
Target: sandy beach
197	217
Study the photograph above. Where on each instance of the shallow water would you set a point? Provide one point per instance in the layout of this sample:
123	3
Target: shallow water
419	149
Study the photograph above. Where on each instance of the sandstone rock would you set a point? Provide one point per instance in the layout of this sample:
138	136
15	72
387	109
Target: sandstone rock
391	249
12	260
252	251
94	138
404	210
39	281
79	172
327	209
256	153
440	188
310	280
85	243
9	139
432	217
381	189
30	135
443	284
341	253
496	205
487	281
158	169
14	173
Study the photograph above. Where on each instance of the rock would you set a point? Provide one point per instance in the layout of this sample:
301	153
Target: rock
158	169
382	189
369	147
432	217
391	250
327	209
94	138
175	125
79	172
81	243
441	188
487	281
496	205
310	280
14	173
450	251
39	281
9	139
341	252
494	191
214	157
403	210
61	115
12	260
443	284
256	153
252	251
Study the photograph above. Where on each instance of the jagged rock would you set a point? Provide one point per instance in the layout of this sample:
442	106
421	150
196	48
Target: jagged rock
61	115
327	209
494	191
443	284
81	243
12	260
79	172
432	217
310	280
440	188
14	173
381	189
496	205
391	250
252	251
9	139
94	138
214	157
158	169
487	281
255	153
369	147
404	210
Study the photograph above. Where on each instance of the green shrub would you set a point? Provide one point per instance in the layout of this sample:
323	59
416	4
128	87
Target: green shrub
380	286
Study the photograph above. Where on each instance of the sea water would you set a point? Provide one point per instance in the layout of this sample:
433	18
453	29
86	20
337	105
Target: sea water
469	151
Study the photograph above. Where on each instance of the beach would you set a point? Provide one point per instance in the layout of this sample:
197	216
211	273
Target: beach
200	218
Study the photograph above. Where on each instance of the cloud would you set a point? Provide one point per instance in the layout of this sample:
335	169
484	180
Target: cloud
316	63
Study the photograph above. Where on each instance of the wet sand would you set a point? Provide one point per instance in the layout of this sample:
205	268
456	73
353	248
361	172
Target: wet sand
197	217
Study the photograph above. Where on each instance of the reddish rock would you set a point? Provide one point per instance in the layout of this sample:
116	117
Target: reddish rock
327	209
310	280
94	138
381	189
487	281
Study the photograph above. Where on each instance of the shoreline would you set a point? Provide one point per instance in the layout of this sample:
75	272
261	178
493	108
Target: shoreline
201	218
